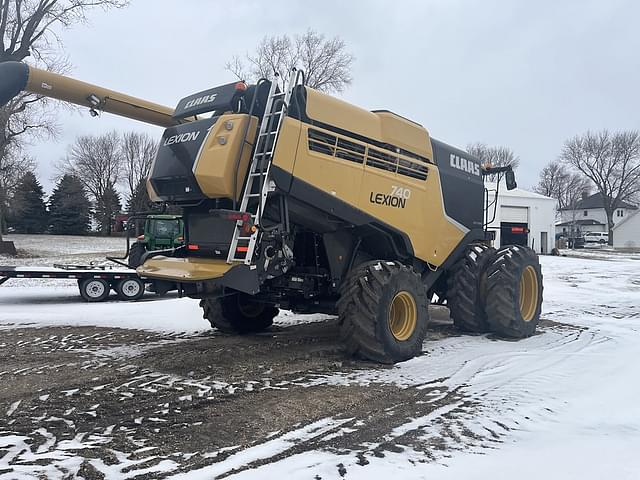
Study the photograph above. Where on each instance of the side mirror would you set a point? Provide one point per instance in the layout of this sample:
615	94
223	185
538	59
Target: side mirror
510	180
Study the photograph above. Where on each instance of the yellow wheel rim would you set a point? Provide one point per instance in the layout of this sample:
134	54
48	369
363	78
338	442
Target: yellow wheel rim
528	293
403	316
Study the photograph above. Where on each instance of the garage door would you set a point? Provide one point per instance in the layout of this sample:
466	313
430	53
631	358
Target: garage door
514	214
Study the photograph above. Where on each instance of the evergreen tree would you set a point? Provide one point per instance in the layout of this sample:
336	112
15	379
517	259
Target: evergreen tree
69	208
29	210
139	201
106	209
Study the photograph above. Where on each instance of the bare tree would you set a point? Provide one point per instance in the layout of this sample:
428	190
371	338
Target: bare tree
28	28
567	187
611	161
556	181
495	156
325	62
97	161
138	152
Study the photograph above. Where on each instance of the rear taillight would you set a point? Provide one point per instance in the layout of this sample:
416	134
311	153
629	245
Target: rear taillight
238	216
140	237
191	246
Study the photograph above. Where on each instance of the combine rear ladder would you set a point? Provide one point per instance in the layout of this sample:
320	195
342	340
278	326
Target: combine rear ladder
258	184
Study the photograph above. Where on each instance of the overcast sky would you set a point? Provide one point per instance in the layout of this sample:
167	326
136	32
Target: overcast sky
523	74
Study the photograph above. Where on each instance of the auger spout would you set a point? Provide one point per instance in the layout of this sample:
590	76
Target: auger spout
16	77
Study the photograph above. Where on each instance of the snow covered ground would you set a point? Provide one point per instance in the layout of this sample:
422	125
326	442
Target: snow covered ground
560	405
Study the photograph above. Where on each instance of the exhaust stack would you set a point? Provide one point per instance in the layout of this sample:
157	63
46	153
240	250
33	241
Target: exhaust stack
16	77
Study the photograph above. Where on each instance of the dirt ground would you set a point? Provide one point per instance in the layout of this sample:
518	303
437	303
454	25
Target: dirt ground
112	394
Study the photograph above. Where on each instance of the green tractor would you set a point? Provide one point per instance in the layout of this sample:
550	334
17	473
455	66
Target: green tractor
161	232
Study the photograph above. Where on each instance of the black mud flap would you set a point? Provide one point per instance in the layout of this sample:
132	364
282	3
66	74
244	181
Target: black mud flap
243	278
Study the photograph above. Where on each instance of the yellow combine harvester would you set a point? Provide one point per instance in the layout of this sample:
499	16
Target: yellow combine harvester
295	199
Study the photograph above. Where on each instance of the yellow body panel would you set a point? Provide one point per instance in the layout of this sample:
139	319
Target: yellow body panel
432	235
216	166
287	146
190	269
385	127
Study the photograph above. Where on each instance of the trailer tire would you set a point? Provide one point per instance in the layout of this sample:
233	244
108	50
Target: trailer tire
136	252
514	292
233	314
94	289
466	289
130	289
383	312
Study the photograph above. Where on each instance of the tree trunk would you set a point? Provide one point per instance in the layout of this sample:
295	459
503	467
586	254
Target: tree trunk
610	225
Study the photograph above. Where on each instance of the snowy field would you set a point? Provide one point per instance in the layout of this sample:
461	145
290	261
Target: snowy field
146	390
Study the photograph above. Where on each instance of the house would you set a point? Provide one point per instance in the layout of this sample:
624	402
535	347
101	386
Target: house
589	216
626	233
521	218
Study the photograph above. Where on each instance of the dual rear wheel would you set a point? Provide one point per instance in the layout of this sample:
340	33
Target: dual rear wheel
384	308
497	291
98	289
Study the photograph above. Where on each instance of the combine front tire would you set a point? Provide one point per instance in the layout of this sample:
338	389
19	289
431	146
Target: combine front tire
383	312
238	314
514	292
466	285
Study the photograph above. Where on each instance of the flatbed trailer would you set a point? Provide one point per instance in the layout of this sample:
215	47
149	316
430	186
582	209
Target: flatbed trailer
95	282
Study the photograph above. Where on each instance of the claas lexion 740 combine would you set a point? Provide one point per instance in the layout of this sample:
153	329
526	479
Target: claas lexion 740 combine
294	199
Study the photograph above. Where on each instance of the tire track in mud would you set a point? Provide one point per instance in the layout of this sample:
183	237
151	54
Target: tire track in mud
140	404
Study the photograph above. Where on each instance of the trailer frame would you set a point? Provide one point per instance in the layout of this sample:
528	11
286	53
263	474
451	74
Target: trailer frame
95	281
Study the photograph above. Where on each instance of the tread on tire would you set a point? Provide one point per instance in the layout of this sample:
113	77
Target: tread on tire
504	277
466	287
364	308
228	315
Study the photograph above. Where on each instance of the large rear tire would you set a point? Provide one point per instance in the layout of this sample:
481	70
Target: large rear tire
383	311
136	252
237	313
466	289
514	292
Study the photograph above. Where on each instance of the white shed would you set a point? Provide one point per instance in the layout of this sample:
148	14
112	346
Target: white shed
626	233
522	218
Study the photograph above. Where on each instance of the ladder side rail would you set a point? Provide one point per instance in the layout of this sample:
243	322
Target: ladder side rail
262	159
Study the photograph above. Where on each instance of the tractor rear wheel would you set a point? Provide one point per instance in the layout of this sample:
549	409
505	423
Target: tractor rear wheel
514	292
237	313
466	289
383	311
135	255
